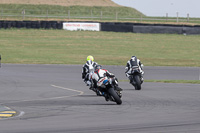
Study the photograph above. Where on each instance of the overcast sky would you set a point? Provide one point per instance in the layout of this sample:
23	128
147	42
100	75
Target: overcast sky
161	7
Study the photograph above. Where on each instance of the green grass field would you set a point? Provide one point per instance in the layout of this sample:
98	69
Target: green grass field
31	46
175	81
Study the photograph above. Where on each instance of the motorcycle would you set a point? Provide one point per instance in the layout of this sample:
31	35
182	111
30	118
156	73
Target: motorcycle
110	90
136	77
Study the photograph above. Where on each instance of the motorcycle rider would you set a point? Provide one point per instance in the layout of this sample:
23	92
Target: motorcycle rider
98	77
88	67
134	61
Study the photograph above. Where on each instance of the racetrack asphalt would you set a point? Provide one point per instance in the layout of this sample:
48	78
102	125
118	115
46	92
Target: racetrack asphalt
54	99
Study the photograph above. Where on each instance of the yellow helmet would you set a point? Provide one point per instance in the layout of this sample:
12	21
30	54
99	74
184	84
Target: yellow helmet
90	58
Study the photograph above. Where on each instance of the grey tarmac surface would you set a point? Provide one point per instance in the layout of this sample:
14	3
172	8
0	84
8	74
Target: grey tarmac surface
54	99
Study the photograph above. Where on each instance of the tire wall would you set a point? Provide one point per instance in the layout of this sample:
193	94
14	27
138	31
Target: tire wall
108	26
31	24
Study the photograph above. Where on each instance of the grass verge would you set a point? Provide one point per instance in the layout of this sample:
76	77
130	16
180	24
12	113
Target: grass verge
175	81
170	81
38	46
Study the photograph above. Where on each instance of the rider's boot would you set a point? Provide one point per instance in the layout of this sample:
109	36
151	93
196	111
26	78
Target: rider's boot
98	92
106	97
142	79
131	79
118	88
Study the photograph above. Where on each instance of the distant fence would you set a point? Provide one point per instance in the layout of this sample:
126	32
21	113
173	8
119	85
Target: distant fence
109	26
27	14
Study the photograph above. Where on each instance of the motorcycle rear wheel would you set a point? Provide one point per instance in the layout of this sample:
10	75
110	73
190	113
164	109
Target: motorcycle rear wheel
114	95
138	83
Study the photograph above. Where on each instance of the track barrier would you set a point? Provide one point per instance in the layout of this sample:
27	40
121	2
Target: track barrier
109	26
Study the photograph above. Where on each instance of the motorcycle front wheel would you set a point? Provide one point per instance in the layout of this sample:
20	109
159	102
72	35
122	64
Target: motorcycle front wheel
114	95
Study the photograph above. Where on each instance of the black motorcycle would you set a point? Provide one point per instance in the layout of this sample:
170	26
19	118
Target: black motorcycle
136	77
111	91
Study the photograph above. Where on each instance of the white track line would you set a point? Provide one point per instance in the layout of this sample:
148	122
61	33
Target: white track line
60	87
51	98
81	92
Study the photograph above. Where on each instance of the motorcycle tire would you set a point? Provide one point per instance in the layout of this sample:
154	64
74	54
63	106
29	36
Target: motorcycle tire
114	95
138	83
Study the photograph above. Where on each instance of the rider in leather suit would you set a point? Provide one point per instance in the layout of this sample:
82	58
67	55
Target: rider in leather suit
100	75
87	68
134	61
